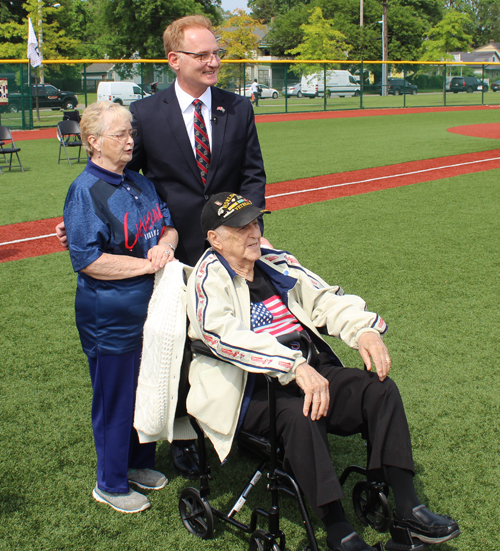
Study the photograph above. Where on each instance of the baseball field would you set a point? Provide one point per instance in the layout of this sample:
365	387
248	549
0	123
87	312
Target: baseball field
400	207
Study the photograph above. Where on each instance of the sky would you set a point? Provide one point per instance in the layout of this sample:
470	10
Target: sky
230	5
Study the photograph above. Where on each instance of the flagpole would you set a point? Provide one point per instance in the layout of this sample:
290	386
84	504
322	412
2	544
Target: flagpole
35	61
29	99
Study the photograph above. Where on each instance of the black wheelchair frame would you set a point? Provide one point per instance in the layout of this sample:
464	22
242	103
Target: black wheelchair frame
370	498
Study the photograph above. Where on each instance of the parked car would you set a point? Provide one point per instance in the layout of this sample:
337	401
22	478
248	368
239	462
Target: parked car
467	84
495	86
398	86
48	96
338	83
123	92
292	90
266	92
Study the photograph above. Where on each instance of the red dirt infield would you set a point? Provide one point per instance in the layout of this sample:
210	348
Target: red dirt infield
491	130
37	238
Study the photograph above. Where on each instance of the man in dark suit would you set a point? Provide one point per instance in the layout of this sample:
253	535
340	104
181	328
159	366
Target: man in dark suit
165	145
190	152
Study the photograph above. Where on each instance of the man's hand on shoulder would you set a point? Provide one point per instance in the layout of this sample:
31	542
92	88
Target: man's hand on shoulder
372	346
316	389
61	235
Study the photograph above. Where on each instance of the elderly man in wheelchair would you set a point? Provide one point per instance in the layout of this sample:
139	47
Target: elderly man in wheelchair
241	298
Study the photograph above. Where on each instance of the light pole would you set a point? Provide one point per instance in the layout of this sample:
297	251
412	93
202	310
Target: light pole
384	48
40	37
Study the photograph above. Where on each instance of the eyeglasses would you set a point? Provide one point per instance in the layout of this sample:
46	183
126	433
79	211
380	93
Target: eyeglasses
205	57
123	136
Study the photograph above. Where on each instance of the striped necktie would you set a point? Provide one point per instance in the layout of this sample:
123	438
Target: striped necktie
202	144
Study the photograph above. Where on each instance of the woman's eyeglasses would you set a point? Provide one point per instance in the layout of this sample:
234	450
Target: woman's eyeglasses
122	136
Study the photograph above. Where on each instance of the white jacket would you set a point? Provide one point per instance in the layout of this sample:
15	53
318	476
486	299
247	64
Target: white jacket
219	313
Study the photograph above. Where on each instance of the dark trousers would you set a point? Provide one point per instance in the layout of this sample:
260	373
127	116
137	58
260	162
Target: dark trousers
359	403
114	380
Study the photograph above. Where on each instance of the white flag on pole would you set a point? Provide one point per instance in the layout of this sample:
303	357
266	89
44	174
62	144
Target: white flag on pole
33	53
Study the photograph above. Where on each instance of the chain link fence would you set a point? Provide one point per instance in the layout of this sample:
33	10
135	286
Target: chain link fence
28	101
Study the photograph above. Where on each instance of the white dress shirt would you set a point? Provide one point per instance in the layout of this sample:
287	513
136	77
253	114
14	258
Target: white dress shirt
187	109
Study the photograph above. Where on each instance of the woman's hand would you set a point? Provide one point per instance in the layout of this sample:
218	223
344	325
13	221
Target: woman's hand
160	255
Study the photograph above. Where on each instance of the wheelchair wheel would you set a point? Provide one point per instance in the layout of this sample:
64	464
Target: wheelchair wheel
259	541
196	513
371	505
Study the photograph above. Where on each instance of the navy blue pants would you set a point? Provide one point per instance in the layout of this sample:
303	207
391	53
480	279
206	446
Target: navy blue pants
114	380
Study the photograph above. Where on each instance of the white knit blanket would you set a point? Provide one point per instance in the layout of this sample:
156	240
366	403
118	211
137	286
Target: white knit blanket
162	352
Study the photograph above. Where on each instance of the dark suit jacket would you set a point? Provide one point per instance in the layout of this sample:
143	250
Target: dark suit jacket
163	152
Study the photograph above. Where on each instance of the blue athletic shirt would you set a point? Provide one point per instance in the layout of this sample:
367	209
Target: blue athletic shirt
105	212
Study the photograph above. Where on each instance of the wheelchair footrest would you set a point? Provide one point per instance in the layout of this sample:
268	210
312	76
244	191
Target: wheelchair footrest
402	540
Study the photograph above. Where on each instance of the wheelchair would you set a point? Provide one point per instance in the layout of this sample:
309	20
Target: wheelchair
370	498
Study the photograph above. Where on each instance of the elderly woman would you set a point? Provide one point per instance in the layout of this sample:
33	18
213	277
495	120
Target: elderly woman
119	233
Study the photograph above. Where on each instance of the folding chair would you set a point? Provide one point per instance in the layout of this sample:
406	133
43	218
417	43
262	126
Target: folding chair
68	134
71	116
6	136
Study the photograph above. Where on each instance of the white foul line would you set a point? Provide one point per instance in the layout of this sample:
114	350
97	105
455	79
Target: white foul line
381	178
316	189
28	239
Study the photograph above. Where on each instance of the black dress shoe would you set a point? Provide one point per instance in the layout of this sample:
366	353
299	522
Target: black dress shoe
185	460
427	526
352	542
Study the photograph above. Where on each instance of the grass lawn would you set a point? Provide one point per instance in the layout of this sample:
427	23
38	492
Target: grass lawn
301	149
424	256
291	150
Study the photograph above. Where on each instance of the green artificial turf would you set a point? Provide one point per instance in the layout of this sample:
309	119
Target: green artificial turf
424	256
291	150
302	149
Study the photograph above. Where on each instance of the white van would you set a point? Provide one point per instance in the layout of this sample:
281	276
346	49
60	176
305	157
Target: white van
338	83
123	92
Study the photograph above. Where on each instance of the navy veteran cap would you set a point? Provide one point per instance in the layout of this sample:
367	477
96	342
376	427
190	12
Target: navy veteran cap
228	209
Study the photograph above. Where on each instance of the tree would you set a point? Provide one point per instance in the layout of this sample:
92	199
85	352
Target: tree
484	16
237	35
407	30
408	23
321	40
57	44
265	10
134	28
286	32
449	35
365	41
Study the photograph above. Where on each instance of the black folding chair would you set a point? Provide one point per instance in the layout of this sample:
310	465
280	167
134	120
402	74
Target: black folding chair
5	138
68	134
71	116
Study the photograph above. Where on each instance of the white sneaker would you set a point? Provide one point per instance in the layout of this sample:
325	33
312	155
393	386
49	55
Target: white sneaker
131	502
147	479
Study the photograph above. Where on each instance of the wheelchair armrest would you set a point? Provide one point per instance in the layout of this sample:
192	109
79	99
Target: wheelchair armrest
301	337
199	347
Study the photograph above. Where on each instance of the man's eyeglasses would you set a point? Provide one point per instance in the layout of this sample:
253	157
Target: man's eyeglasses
122	136
205	57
